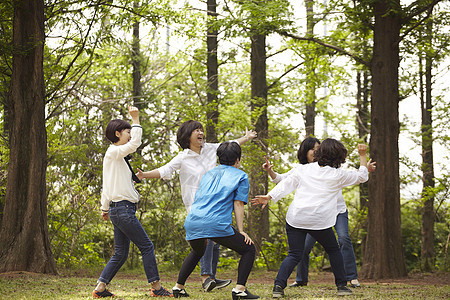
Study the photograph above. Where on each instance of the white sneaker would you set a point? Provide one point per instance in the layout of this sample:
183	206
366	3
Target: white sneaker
354	283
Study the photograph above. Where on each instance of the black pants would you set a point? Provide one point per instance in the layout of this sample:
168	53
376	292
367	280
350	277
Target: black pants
235	242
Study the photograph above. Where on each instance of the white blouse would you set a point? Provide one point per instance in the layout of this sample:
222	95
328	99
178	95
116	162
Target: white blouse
341	205
117	182
317	192
192	167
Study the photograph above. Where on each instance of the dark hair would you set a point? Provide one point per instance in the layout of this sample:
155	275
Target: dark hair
113	126
305	146
184	132
331	153
228	153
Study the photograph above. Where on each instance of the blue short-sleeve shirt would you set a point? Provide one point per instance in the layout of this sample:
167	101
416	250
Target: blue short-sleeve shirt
211	214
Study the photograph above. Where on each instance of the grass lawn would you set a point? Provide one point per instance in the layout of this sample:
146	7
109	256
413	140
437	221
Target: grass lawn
132	285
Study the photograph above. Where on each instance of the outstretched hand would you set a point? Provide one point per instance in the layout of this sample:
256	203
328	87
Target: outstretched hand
371	166
267	166
250	134
261	199
140	174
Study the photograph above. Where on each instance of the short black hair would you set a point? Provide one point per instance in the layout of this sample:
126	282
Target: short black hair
331	153
305	146
228	153
113	126
184	132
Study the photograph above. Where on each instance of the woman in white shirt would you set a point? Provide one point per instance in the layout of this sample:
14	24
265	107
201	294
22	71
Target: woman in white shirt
314	208
197	158
305	155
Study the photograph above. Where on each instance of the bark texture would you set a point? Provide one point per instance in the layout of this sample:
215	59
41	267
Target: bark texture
24	242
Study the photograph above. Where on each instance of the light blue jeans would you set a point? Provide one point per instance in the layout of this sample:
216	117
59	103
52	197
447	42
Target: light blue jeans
209	260
345	245
128	228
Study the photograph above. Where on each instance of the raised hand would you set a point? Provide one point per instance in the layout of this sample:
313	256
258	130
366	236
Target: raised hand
261	199
267	166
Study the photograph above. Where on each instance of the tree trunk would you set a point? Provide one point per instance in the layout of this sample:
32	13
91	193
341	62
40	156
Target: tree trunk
212	109
427	251
310	112
362	121
383	256
24	242
136	62
258	220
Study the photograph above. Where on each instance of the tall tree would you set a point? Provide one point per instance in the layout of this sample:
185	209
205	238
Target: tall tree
428	215
212	110
24	243
383	255
258	219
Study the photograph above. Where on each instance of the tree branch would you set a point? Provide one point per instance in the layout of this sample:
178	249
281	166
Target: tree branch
284	74
322	43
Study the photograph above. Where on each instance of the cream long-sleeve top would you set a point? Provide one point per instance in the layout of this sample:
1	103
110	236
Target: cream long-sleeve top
317	190
117	182
341	205
192	167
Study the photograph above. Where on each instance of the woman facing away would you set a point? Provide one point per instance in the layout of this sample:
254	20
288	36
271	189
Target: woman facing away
222	190
313	211
197	158
305	155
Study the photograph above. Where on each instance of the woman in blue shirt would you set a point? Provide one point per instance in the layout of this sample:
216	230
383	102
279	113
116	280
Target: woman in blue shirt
222	190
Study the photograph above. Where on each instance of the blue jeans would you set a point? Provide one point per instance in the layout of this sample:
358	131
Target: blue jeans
345	244
128	228
209	261
296	240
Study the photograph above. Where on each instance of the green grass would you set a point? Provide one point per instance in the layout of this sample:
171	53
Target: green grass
131	285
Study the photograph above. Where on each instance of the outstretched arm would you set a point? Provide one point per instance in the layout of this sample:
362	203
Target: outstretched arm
239	215
261	199
149	174
249	135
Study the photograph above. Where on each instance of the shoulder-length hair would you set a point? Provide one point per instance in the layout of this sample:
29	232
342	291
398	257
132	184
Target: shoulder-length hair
184	132
331	153
306	145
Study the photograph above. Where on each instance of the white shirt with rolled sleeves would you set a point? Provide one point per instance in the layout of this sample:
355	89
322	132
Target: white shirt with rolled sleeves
192	167
341	205
117	182
317	190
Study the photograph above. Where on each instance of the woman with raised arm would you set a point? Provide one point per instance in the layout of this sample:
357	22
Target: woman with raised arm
314	208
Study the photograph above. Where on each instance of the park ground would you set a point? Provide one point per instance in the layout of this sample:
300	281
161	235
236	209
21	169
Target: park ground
132	285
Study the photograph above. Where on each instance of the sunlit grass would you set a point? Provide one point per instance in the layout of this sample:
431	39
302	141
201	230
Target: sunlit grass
130	285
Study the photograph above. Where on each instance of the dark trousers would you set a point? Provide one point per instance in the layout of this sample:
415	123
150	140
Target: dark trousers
235	242
296	240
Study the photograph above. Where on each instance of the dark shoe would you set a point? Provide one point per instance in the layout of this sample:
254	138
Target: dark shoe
278	291
354	283
209	284
177	293
104	294
242	295
343	290
299	283
222	283
162	292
